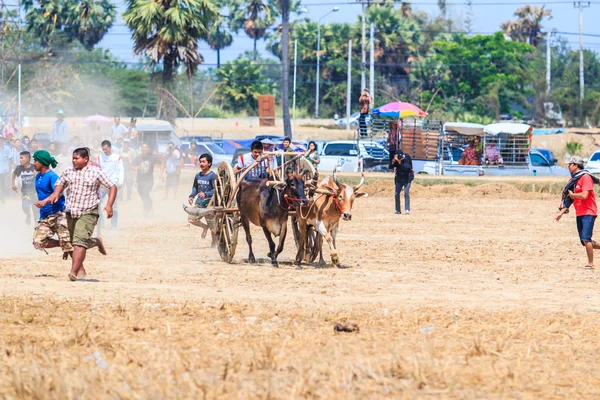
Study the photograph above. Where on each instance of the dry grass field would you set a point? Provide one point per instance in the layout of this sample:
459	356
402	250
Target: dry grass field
477	294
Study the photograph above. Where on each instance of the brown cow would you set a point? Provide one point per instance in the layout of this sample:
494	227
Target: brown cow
268	207
332	201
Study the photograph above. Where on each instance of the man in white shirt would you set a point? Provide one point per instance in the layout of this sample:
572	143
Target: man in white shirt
60	130
118	129
112	166
172	167
261	171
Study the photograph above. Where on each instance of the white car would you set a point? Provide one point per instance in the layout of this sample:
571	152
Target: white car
593	164
348	155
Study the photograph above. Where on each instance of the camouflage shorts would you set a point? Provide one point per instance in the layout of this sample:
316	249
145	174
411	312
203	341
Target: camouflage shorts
55	224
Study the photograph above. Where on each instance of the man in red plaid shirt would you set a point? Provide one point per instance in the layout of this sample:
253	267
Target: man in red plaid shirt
83	182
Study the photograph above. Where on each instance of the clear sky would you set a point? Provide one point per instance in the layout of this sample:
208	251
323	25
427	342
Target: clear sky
489	14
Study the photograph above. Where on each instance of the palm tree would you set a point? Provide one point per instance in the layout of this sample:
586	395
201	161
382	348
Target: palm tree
84	20
169	31
89	20
254	16
528	26
219	37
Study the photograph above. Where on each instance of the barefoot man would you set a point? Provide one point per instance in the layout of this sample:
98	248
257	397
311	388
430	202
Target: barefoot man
83	181
580	192
202	190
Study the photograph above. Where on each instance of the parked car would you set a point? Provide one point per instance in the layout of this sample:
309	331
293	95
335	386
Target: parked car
157	134
353	120
593	164
43	139
196	139
537	165
349	155
211	148
236	156
275	138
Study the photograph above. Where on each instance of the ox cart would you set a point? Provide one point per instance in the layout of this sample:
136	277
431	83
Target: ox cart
223	208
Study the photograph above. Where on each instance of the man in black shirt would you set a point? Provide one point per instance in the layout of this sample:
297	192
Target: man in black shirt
26	172
144	164
402	164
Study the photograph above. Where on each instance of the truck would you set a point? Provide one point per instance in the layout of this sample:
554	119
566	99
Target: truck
349	155
513	141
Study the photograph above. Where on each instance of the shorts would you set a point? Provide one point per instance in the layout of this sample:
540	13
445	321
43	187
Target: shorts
585	228
172	180
82	228
46	228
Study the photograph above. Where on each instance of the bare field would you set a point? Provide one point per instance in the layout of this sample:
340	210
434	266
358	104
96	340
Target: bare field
477	294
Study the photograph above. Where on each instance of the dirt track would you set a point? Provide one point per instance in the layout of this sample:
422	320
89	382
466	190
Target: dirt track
481	265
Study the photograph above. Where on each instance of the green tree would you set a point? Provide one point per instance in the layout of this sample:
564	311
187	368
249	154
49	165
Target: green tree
219	37
483	74
241	82
254	16
86	21
169	31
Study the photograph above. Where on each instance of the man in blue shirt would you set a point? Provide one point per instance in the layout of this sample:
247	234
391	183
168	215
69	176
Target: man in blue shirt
5	159
53	219
203	189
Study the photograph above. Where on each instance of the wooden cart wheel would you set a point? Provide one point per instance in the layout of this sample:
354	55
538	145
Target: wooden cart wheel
226	224
311	250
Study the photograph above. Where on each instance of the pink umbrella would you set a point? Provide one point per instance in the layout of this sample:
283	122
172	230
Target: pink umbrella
399	109
97	119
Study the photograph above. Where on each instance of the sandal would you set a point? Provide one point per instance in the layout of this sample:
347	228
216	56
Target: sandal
72	277
588	267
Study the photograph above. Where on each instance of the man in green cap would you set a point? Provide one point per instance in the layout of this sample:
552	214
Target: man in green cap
60	130
53	219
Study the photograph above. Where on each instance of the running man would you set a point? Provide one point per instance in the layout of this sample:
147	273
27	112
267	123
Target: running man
53	220
580	192
203	189
26	172
83	181
144	164
112	166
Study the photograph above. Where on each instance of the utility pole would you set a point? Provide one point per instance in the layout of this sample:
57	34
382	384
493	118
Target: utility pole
372	62
581	6
363	55
294	101
548	61
349	83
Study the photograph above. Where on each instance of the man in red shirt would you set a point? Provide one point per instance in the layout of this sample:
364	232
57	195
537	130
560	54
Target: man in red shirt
586	210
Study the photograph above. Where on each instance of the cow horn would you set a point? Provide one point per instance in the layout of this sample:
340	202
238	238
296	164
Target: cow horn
199	212
275	183
362	181
335	177
324	191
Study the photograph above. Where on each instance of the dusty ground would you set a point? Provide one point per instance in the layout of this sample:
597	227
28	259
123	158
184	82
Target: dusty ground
477	294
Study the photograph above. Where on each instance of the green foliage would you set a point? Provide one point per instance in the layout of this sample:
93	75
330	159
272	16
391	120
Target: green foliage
86	21
481	74
573	148
241	82
170	30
